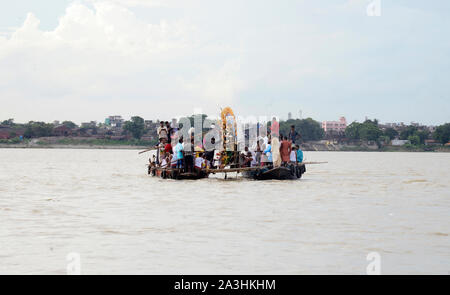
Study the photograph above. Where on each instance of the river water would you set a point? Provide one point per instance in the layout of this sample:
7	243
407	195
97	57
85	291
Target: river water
102	205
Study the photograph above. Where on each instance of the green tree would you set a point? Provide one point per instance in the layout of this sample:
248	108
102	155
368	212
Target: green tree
136	127
408	131
391	133
308	129
442	133
414	139
352	130
423	135
373	122
70	124
9	122
369	130
38	129
384	139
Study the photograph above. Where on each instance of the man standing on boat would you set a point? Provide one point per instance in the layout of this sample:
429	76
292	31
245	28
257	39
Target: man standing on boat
275	152
299	154
210	153
162	131
189	155
293	134
267	159
179	151
300	159
167	147
285	150
169	132
274	128
258	153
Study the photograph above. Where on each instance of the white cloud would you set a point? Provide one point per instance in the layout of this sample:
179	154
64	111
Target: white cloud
217	85
108	55
142	3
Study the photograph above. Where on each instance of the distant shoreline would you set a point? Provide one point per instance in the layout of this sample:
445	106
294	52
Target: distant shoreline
319	148
72	146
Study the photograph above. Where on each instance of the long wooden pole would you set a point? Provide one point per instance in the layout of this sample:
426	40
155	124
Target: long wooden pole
227	170
147	150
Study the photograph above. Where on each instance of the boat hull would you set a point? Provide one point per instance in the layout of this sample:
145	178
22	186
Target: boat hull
177	174
278	173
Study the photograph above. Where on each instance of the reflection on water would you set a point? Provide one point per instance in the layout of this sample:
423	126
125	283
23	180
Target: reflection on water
101	204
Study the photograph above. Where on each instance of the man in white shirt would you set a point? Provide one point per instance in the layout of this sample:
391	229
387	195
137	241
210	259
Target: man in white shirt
293	155
254	161
199	161
164	161
173	161
162	131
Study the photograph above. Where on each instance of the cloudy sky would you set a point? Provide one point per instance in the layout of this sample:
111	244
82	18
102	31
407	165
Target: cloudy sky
87	59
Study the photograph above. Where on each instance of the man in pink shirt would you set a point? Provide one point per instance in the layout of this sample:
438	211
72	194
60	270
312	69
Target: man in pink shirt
275	128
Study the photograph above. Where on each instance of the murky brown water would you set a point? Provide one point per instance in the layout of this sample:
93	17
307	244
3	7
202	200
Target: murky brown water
102	205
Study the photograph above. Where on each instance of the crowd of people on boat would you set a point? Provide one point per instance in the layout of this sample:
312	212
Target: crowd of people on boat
274	150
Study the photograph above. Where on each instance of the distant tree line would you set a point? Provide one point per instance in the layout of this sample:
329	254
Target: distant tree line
442	133
369	130
309	130
136	127
38	129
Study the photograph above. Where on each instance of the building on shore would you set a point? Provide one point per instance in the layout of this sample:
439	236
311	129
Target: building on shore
149	123
399	142
7	132
114	121
431	142
396	126
62	130
91	124
335	126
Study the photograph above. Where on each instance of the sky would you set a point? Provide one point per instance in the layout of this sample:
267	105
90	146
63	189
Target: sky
84	60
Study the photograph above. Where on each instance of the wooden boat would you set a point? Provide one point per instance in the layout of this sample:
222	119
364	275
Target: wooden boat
263	173
278	173
179	174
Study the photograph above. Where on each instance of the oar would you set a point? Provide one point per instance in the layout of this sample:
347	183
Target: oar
147	150
309	163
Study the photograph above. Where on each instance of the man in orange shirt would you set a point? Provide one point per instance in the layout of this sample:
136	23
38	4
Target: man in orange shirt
285	150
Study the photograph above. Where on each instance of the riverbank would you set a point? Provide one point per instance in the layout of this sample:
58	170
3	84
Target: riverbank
321	146
56	142
411	149
305	147
72	146
76	143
